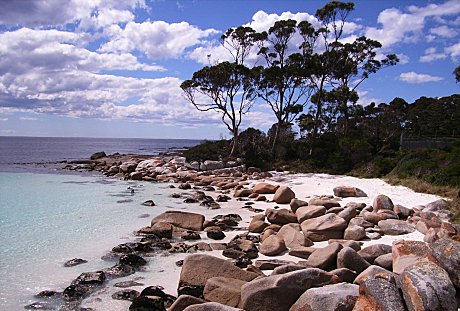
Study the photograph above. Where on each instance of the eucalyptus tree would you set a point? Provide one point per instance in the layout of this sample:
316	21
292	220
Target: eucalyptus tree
227	88
280	83
457	74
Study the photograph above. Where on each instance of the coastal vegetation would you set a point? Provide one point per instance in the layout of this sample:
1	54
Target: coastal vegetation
309	79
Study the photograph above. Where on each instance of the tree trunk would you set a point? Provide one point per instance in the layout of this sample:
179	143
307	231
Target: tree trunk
234	143
275	139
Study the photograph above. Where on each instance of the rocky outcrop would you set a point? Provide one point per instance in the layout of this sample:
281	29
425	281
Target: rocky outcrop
378	295
346	192
186	220
283	195
198	268
323	228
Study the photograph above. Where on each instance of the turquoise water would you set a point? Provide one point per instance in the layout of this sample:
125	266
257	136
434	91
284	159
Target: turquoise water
47	219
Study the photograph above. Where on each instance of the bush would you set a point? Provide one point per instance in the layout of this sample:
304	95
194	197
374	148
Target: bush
208	150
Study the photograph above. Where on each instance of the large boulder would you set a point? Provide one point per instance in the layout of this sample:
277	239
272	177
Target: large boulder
324	258
407	253
336	297
349	258
378	295
279	292
355	233
283	195
395	227
292	236
346	192
426	286
212	165
186	220
369	253
311	211
183	301
323	228
326	202
265	188
257	224
280	216
98	155
447	253
226	291
198	268
374	272
382	202
296	203
272	246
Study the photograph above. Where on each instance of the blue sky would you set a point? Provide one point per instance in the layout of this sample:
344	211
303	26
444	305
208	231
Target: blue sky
109	68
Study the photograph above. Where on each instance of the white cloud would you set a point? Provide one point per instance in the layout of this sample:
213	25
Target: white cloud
87	13
431	55
3	119
451	7
417	78
453	51
396	27
444	31
403	58
365	100
28	119
158	39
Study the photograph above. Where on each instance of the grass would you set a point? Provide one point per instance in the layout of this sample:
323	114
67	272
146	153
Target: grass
449	192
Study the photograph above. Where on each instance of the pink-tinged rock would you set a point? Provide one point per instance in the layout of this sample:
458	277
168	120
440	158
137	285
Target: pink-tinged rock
378	295
426	286
346	192
272	246
407	253
374	272
186	220
382	202
280	216
355	233
296	203
371	252
324	258
283	195
265	188
323	228
226	291
328	203
293	236
395	227
184	301
279	292
308	212
447	253
241	193
350	259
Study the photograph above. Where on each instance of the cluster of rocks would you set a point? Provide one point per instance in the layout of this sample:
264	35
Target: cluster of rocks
408	275
163	168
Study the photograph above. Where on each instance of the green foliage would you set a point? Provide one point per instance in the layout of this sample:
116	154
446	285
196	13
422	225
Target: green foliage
208	150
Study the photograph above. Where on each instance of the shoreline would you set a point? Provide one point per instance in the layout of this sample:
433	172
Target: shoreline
305	187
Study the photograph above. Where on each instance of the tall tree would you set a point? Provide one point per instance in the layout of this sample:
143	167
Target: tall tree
279	83
230	92
457	74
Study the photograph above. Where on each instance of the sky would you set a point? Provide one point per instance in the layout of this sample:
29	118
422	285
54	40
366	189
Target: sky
110	68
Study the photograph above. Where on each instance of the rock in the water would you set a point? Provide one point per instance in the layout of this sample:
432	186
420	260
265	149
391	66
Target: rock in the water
125	284
74	262
132	260
395	227
295	204
215	233
406	253
346	192
378	295
280	216
76	291
325	257
447	253
119	271
279	292
265	188
329	226
186	220
311	211
126	294
149	203
90	278
272	246
292	236
39	305
426	286
98	155
336	297
151	303
226	291
198	268
349	258
190	235
283	195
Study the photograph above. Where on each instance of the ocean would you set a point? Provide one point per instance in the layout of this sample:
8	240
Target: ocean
48	216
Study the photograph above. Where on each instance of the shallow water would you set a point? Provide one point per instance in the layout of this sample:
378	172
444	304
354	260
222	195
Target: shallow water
47	219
